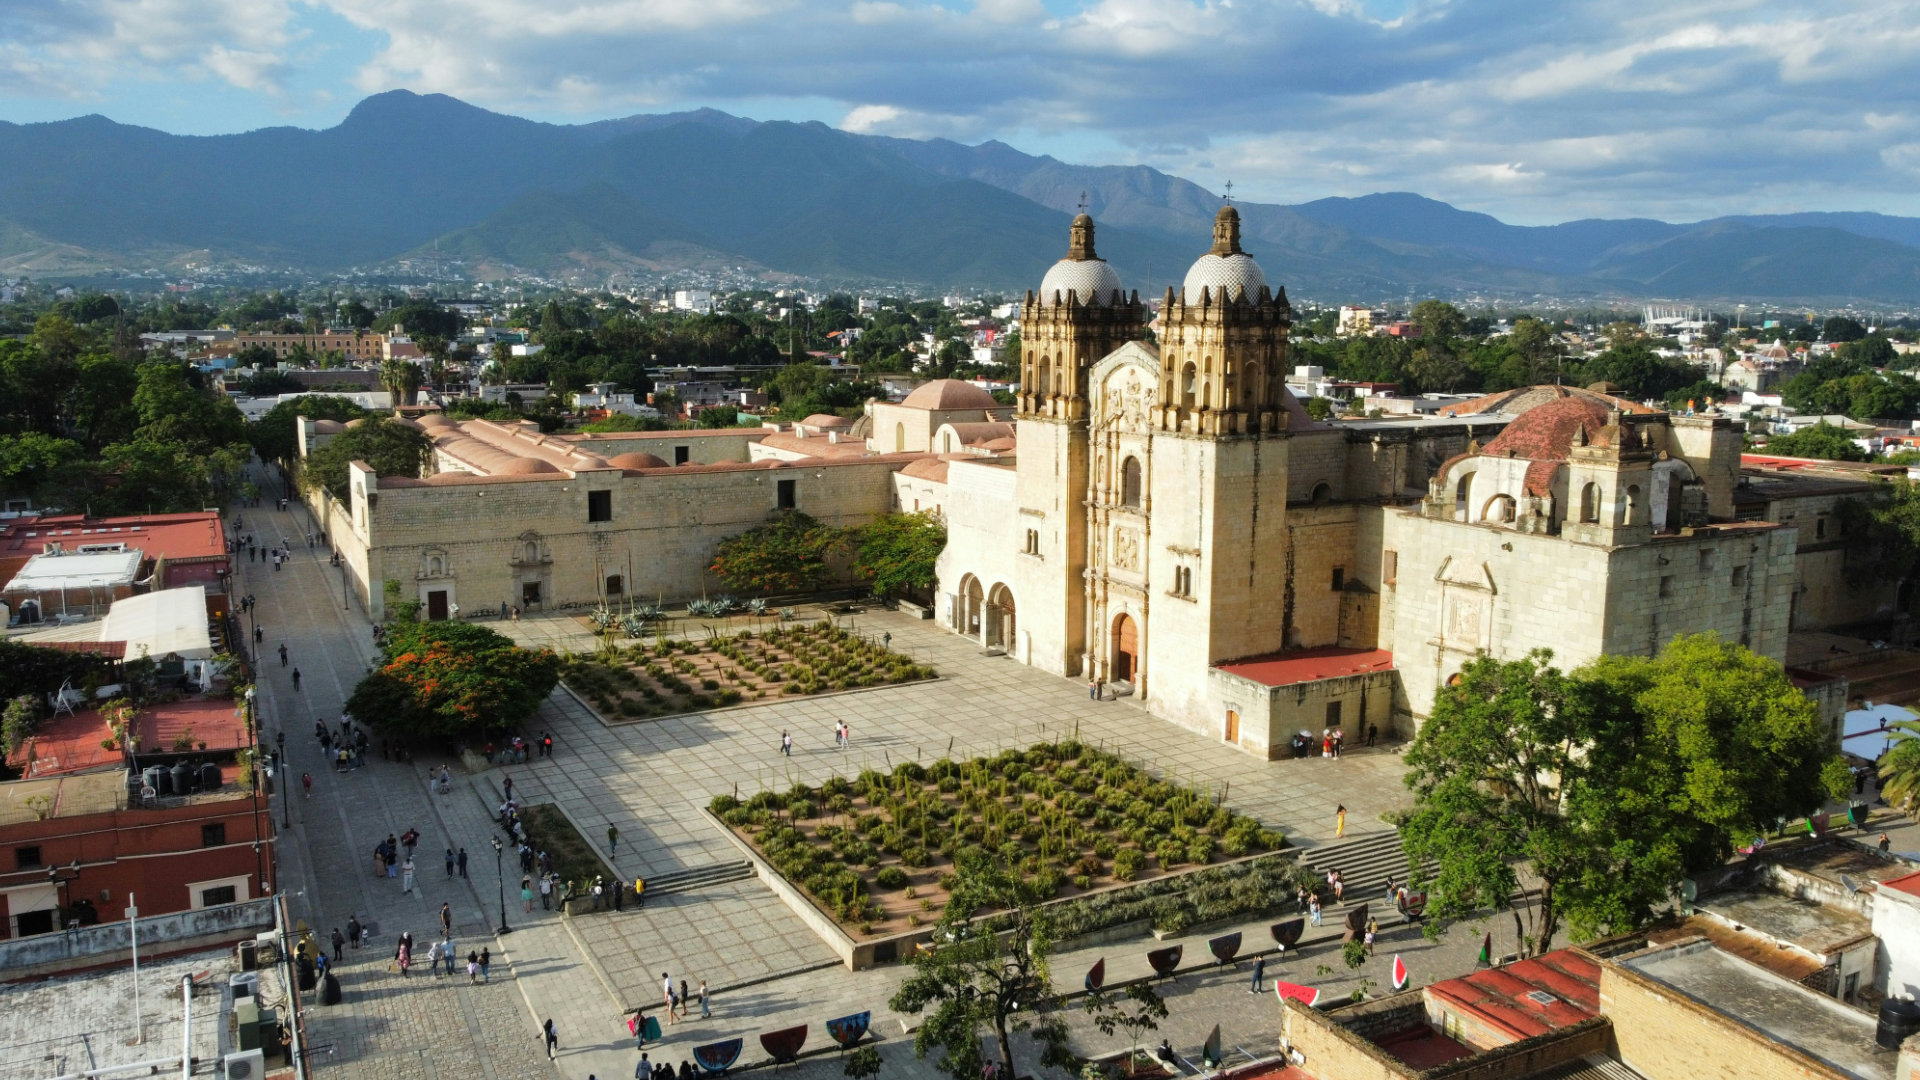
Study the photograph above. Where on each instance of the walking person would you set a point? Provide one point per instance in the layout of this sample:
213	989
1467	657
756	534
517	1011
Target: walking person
643	1070
1373	732
449	864
306	781
486	961
1340	821
1093	689
666	988
403	955
433	959
446	920
613	840
406	876
705	1011
283	654
1313	908
353	930
1339	885
526	895
1373	929
339	942
552	1036
786	744
546	892
1259	973
296	678
462	860
473	966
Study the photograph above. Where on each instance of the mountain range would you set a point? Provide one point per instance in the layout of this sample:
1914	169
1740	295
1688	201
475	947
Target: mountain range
408	175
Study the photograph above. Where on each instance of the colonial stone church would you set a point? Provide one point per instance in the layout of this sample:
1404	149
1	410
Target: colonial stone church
1157	514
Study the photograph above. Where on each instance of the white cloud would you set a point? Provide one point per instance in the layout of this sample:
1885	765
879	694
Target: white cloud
1533	111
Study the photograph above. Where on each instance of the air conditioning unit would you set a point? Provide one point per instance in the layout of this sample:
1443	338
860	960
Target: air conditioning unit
244	984
267	945
246	1065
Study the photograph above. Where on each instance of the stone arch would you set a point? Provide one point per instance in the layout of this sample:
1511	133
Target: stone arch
1125	663
1322	494
1189	384
1130	485
1500	509
1462	490
999	617
1590	503
1629	508
1045	376
969	606
899	438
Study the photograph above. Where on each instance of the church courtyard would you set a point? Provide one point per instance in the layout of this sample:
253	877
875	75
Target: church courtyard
652	780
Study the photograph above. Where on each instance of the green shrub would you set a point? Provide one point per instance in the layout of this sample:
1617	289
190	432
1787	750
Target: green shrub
763	800
891	877
1082	881
720	804
800	809
1104	847
914	856
1170	853
1127	863
709	684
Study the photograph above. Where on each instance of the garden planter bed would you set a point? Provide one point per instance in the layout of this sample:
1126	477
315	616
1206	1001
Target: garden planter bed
550	830
670	677
875	853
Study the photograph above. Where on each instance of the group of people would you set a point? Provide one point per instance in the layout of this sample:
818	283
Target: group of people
443	954
347	749
388	860
517	750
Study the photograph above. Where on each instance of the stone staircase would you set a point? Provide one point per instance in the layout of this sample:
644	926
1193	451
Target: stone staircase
698	877
1365	862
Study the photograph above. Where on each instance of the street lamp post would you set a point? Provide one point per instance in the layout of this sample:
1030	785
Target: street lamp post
501	873
286	786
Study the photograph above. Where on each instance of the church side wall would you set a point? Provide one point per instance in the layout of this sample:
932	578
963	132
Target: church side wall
1048	498
1314	458
1320	539
1736	582
663	535
1461	588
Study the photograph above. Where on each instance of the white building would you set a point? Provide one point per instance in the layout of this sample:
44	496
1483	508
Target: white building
698	300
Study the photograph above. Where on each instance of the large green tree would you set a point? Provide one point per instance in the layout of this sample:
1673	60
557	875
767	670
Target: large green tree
1824	441
991	978
452	680
787	554
897	552
388	446
275	436
1608	785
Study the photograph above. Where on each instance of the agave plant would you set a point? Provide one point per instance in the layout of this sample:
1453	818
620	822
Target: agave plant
633	625
650	612
788	614
723	604
756	606
601	617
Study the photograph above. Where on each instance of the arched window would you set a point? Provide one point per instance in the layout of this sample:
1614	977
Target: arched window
1461	489
1499	509
1046	376
1629	505
948	441
1252	393
1188	382
899	438
1130	482
1590	503
1322	494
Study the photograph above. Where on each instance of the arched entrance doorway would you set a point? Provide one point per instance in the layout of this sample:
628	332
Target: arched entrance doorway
999	618
972	602
1126	650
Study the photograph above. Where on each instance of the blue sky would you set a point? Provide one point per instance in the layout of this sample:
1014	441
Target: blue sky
1531	110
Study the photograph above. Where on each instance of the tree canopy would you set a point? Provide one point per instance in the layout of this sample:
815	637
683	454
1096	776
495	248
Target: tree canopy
1823	440
452	679
390	447
274	435
977	978
897	552
787	554
1610	783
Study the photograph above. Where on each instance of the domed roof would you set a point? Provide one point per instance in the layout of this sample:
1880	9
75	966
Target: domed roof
1549	432
1225	270
352	424
1082	273
436	420
525	467
633	459
327	427
948	394
826	420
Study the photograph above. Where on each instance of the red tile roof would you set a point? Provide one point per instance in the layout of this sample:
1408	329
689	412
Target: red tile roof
1910	884
1309	665
1547	432
213	721
1500	996
66	744
174	537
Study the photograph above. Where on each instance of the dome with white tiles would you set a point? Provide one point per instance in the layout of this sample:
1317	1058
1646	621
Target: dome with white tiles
1082	273
1224	273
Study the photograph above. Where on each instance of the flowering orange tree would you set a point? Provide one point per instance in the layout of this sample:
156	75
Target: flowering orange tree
452	679
787	554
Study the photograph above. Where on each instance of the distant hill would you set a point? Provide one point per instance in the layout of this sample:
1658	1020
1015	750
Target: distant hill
405	174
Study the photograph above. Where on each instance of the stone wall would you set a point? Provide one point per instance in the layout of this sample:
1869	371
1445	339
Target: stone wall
110	943
1664	1035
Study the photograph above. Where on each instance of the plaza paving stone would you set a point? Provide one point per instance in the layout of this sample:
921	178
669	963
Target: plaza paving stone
651	779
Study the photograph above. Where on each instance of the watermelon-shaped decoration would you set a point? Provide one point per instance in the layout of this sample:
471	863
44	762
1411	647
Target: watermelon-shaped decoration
1399	973
847	1030
1210	1052
1305	995
1097	975
1164	961
784	1045
1287	934
717	1057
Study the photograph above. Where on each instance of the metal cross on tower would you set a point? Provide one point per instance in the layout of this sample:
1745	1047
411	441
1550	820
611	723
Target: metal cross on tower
1083	201
1228	197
